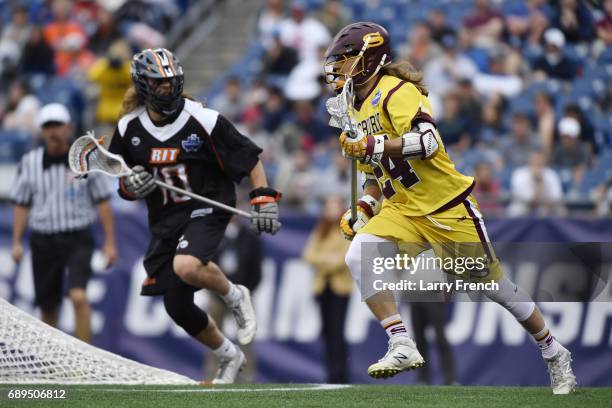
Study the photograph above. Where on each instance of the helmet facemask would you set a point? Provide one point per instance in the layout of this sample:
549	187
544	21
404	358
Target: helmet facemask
342	66
338	68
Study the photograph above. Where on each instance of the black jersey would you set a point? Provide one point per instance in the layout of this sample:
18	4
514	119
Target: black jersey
199	151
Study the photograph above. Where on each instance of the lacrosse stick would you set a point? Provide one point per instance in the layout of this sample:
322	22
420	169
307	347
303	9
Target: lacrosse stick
342	111
87	155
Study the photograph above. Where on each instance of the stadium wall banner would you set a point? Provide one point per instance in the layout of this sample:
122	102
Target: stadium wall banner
490	348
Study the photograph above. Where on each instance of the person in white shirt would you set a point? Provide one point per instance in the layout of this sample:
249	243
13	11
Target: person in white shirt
535	188
303	33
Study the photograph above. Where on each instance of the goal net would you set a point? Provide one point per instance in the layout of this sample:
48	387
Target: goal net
33	352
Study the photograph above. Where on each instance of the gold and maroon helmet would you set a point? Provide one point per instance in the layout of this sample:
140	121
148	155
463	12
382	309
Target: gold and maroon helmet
358	51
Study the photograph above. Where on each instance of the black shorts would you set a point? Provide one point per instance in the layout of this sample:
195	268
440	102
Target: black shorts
52	254
200	238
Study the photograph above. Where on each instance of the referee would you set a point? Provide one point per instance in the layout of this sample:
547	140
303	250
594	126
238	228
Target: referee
60	210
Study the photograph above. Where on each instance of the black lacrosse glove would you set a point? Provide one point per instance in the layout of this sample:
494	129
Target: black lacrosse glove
137	185
264	210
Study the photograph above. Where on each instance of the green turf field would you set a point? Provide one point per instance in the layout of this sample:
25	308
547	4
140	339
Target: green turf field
299	395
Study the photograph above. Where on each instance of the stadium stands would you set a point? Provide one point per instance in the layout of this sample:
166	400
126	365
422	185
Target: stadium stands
590	89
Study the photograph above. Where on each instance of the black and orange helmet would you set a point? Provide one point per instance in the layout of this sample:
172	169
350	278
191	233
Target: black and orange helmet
343	55
158	64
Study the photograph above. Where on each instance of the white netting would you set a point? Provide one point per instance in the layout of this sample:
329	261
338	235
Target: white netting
32	352
88	155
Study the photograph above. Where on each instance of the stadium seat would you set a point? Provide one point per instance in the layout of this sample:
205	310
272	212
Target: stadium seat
606	56
13	145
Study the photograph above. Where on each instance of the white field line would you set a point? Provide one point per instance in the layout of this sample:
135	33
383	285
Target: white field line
312	387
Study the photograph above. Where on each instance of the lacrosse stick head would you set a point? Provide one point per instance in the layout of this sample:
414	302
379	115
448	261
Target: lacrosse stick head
88	155
341	109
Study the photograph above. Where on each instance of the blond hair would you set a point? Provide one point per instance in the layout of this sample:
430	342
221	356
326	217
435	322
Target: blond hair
131	100
405	71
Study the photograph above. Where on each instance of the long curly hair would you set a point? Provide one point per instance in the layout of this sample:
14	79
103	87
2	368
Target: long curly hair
404	70
131	100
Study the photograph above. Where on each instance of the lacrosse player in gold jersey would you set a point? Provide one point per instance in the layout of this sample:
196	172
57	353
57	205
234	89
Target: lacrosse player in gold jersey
414	195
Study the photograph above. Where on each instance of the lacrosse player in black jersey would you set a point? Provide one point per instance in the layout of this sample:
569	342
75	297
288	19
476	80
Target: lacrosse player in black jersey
167	136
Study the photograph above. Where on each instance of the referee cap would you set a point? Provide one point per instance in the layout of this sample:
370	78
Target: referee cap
53	112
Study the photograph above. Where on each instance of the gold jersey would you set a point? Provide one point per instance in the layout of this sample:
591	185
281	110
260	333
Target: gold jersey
413	187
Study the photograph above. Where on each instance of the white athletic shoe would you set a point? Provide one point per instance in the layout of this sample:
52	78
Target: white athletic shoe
245	317
402	355
229	368
562	378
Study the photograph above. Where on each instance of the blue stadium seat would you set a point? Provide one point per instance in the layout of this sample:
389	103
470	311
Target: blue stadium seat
13	145
606	56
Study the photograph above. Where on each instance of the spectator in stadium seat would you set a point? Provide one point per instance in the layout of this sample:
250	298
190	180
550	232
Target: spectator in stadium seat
230	103
252	126
492	124
111	74
21	110
303	129
269	19
470	106
419	49
487	189
278	59
76	58
303	33
587	130
575	20
334	180
604	25
333	284
554	63
18	30
240	254
452	126
444	71
535	189
526	21
62	33
485	24
516	148
499	79
38	56
106	31
274	110
298	180
545	117
334	16
571	155
438	25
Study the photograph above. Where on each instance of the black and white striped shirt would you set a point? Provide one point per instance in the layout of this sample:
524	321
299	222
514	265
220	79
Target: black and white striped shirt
58	201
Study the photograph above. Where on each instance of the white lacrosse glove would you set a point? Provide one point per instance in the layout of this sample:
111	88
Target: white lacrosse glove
139	184
367	207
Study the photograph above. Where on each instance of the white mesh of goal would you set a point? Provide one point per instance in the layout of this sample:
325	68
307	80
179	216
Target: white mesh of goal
33	352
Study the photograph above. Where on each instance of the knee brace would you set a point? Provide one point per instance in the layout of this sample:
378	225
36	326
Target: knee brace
354	258
181	308
513	299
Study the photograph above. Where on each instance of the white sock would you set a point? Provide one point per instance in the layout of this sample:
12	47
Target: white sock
549	346
394	326
233	296
226	350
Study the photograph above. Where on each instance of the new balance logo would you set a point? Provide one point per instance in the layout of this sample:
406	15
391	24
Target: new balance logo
396	330
399	357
